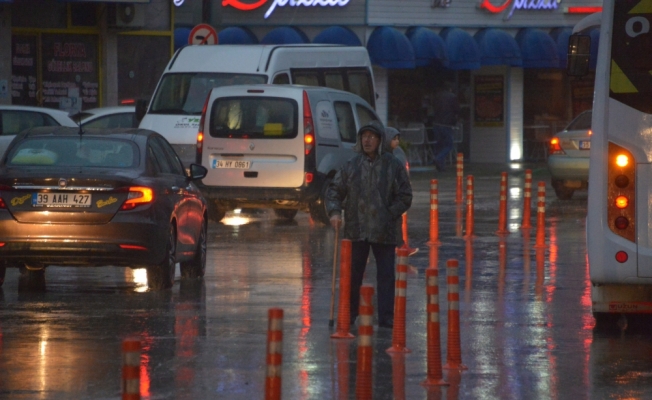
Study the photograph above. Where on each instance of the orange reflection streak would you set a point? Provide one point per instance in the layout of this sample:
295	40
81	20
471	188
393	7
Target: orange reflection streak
526	260
186	331
306	274
469	271
458	220
552	259
145	368
398	376
342	366
502	266
433	257
589	321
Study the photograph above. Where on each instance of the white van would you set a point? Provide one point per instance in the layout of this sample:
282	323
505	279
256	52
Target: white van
276	146
193	71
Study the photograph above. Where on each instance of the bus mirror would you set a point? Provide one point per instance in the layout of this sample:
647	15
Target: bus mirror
141	109
579	52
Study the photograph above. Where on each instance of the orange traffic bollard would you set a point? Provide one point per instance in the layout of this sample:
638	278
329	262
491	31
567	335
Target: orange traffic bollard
469	207
398	331
274	354
460	178
344	310
342	366
364	381
433	257
459	220
541	216
502	210
434	213
527	200
404	229
131	369
454	353
434	375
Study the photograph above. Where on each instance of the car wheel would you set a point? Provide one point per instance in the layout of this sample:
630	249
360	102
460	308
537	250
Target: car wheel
32	280
215	212
318	207
3	271
285	213
161	276
197	266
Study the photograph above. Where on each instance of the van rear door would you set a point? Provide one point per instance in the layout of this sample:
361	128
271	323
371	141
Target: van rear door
253	139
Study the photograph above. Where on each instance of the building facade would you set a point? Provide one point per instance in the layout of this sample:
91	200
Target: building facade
504	59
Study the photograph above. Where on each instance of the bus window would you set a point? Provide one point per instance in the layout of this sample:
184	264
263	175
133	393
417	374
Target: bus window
281	79
360	84
305	78
334	80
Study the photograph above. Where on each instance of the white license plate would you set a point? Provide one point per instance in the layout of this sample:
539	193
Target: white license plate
231	164
585	145
61	200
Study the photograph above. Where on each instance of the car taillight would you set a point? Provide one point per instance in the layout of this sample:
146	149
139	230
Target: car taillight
137	196
554	146
308	126
2	203
621	178
200	134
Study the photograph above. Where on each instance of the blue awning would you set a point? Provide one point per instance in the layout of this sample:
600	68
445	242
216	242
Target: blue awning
498	47
285	35
428	46
595	40
463	51
560	36
537	49
181	37
338	35
389	48
236	35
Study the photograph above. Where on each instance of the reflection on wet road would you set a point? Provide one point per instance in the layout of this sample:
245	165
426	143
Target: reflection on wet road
526	326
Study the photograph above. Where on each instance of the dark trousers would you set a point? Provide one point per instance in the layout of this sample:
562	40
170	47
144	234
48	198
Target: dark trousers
385	276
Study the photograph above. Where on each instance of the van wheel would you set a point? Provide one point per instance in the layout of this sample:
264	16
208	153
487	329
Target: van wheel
215	211
318	207
562	192
285	213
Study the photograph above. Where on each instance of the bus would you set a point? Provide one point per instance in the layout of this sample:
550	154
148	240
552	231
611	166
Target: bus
619	212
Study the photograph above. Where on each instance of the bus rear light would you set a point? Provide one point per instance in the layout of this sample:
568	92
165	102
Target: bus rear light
554	147
621	223
622	202
621	192
621	257
309	177
2	203
200	134
132	247
308	126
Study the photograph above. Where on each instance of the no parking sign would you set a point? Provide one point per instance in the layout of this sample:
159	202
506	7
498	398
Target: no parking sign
202	34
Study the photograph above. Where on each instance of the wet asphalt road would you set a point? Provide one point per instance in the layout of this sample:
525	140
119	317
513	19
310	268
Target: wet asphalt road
526	326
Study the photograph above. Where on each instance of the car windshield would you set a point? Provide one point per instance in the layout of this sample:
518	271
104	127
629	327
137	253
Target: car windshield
185	94
254	117
75	152
581	123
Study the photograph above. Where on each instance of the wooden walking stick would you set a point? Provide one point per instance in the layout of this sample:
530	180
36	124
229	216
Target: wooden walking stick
331	321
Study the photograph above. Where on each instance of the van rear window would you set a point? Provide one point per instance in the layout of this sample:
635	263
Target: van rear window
254	117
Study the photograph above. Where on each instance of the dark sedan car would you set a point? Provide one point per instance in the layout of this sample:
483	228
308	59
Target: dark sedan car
103	197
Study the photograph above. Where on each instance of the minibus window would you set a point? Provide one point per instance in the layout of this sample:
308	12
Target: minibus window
334	80
360	84
308	79
281	79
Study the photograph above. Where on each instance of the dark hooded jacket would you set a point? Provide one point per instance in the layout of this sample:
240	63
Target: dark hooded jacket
372	194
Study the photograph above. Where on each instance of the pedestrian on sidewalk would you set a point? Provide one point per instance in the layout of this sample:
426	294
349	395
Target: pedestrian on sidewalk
372	190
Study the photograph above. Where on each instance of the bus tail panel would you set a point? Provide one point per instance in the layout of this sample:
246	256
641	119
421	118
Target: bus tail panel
635	299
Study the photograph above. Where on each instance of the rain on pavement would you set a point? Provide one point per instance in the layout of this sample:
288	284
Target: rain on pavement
526	326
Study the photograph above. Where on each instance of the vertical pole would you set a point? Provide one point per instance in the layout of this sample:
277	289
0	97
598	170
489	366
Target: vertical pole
502	209
131	369
541	216
398	331
469	207
434	213
364	381
454	354
274	354
434	376
344	311
460	178
527	199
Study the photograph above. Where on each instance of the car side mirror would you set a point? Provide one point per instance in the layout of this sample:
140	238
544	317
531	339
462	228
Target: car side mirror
579	53
141	109
197	172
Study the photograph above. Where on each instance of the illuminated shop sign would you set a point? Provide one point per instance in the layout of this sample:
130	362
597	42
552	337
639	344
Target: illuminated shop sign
498	6
283	3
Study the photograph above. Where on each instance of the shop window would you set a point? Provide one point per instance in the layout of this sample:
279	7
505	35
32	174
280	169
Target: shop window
83	14
138	70
345	121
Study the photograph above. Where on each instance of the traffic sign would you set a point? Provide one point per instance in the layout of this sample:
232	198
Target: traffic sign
202	34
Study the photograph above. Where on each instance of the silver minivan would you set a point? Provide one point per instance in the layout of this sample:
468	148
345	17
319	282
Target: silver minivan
276	146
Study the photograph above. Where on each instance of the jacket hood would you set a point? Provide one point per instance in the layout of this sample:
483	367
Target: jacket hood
377	128
390	134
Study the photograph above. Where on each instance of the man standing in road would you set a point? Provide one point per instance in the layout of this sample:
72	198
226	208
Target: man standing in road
373	190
